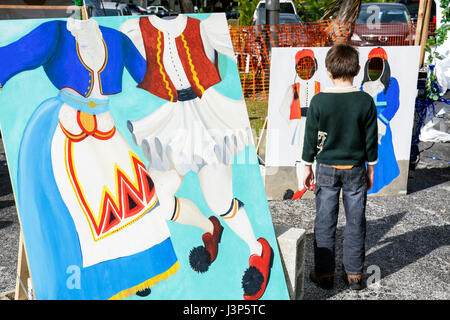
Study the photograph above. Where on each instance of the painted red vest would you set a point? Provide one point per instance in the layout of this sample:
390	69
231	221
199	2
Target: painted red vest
296	112
200	71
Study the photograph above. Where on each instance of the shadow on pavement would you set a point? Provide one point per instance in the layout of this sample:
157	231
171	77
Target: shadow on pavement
427	178
390	254
4	224
7	203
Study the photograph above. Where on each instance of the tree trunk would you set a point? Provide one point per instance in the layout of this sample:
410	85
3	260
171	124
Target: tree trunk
186	6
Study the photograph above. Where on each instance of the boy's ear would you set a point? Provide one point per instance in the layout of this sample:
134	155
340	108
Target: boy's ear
359	69
329	74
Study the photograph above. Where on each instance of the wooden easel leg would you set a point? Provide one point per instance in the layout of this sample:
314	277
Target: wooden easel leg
23	280
425	31
262	136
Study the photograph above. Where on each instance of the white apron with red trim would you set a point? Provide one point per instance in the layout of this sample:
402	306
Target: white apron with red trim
108	193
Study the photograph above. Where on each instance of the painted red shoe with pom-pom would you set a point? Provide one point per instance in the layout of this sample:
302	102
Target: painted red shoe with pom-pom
256	277
202	257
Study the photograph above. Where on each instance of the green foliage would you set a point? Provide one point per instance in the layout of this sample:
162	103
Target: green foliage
246	10
313	10
432	91
433	43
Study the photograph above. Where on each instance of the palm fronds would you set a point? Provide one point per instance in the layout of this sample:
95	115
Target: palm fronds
342	10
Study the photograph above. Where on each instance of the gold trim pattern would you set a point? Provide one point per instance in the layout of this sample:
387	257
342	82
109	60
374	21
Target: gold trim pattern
148	283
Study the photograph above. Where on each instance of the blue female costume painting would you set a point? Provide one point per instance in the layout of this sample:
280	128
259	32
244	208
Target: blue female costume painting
87	204
385	92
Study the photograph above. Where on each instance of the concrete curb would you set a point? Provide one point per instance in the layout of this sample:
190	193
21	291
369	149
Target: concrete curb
291	242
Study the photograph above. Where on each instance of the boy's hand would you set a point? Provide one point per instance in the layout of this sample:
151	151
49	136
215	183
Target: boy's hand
369	176
308	178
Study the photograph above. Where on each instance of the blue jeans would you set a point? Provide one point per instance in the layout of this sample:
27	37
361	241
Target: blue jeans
329	183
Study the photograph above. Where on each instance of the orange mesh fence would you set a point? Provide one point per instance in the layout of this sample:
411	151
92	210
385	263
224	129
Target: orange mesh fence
252	44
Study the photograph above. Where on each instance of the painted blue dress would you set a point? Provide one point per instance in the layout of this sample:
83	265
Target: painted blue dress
62	259
386	170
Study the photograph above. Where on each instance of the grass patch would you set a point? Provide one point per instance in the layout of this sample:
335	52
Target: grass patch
257	113
233	22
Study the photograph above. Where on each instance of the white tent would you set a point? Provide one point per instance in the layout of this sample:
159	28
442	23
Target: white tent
436	128
443	66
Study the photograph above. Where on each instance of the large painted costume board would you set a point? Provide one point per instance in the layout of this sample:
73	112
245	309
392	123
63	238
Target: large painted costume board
132	161
393	93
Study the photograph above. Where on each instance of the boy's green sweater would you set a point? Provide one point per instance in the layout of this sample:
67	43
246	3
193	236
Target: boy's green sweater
341	128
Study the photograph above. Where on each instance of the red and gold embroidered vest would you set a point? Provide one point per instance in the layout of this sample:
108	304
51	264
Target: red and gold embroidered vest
200	71
296	112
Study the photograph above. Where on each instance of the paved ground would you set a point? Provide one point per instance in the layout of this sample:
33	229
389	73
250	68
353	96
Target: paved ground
408	236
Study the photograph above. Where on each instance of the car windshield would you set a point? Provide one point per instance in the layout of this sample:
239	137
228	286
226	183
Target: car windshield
381	15
288	20
394	15
285	7
111	12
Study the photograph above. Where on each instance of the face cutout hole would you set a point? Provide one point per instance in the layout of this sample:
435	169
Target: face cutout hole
375	69
306	68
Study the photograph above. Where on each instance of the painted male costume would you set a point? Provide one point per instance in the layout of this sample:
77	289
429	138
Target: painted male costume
294	108
197	128
79	182
385	93
180	71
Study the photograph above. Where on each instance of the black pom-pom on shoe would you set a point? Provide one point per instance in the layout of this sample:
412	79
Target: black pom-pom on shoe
252	281
288	194
144	292
200	259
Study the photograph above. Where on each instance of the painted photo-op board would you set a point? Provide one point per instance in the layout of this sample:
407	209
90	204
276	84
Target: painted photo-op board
132	160
388	74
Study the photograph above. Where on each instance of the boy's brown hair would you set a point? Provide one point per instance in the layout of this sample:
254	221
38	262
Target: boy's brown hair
342	61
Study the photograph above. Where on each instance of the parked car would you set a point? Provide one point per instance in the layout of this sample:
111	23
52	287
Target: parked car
286	6
413	8
160	11
381	24
111	9
285	18
136	10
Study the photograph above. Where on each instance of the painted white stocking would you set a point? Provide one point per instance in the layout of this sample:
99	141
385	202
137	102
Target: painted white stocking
217	186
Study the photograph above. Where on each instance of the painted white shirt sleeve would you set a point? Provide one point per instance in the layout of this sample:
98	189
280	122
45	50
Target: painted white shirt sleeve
214	37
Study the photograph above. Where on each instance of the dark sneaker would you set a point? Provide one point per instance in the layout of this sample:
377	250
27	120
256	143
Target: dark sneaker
354	281
324	281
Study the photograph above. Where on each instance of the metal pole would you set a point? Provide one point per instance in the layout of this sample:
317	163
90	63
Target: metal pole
273	19
271	39
273	11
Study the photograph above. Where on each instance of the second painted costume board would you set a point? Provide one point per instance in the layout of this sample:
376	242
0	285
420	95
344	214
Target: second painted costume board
51	231
281	154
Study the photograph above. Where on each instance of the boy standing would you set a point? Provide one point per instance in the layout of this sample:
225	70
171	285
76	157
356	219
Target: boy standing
341	134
